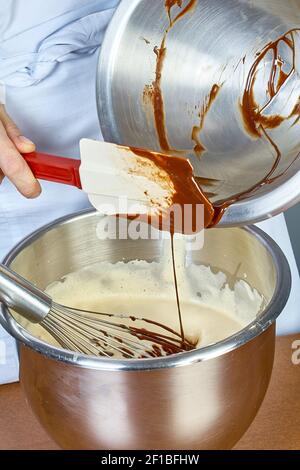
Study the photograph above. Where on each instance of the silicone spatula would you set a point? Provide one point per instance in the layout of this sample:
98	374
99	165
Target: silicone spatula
108	172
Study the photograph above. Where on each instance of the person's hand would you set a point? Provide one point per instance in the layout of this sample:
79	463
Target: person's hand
12	164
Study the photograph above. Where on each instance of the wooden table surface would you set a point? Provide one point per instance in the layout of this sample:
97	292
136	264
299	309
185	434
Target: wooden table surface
277	425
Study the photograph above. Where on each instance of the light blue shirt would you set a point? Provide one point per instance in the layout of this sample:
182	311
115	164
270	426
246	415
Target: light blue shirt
35	35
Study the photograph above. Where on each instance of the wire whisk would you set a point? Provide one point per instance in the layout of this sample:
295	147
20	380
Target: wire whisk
87	332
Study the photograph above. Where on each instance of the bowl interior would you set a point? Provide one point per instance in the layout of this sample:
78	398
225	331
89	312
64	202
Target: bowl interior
73	243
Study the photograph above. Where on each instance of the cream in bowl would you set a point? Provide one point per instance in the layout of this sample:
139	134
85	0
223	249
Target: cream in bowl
211	309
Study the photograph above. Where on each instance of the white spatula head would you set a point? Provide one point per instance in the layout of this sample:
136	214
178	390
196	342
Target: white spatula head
114	175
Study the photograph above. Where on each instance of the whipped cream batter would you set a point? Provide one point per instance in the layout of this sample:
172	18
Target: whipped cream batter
211	309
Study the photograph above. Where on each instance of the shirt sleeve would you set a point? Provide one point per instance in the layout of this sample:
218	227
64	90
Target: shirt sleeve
9	361
2	93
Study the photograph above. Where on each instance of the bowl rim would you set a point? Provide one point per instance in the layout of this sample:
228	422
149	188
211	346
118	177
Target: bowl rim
251	331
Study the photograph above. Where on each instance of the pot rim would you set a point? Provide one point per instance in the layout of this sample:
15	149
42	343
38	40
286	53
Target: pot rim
254	329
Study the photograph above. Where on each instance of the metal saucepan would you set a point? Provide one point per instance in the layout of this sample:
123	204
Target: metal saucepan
221	57
204	399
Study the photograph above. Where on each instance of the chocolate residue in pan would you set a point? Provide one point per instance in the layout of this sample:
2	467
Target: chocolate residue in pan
188	8
157	99
256	123
199	147
148	94
296	112
145	40
169	4
210	182
252	113
156	95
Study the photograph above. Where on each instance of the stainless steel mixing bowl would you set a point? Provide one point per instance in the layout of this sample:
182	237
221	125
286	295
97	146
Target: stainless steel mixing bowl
203	399
215	43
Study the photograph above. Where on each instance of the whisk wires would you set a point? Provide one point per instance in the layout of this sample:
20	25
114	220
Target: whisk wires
107	335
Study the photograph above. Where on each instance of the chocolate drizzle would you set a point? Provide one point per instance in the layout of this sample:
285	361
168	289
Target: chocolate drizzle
177	290
187	188
187	194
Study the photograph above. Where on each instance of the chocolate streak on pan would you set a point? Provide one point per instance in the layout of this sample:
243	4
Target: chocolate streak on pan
255	122
157	99
169	4
154	91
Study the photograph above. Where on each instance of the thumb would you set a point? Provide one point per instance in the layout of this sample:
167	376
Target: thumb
23	144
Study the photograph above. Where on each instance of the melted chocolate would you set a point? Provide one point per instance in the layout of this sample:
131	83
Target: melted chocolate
296	112
162	343
256	123
176	290
187	193
199	147
254	120
167	341
145	40
157	98
187	189
154	91
187	9
169	4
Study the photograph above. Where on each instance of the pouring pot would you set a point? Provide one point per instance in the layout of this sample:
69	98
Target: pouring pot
204	399
228	87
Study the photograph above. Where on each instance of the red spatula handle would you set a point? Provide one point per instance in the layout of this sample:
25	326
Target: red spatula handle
52	168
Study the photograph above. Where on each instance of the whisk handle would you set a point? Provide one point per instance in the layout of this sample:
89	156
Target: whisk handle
23	297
